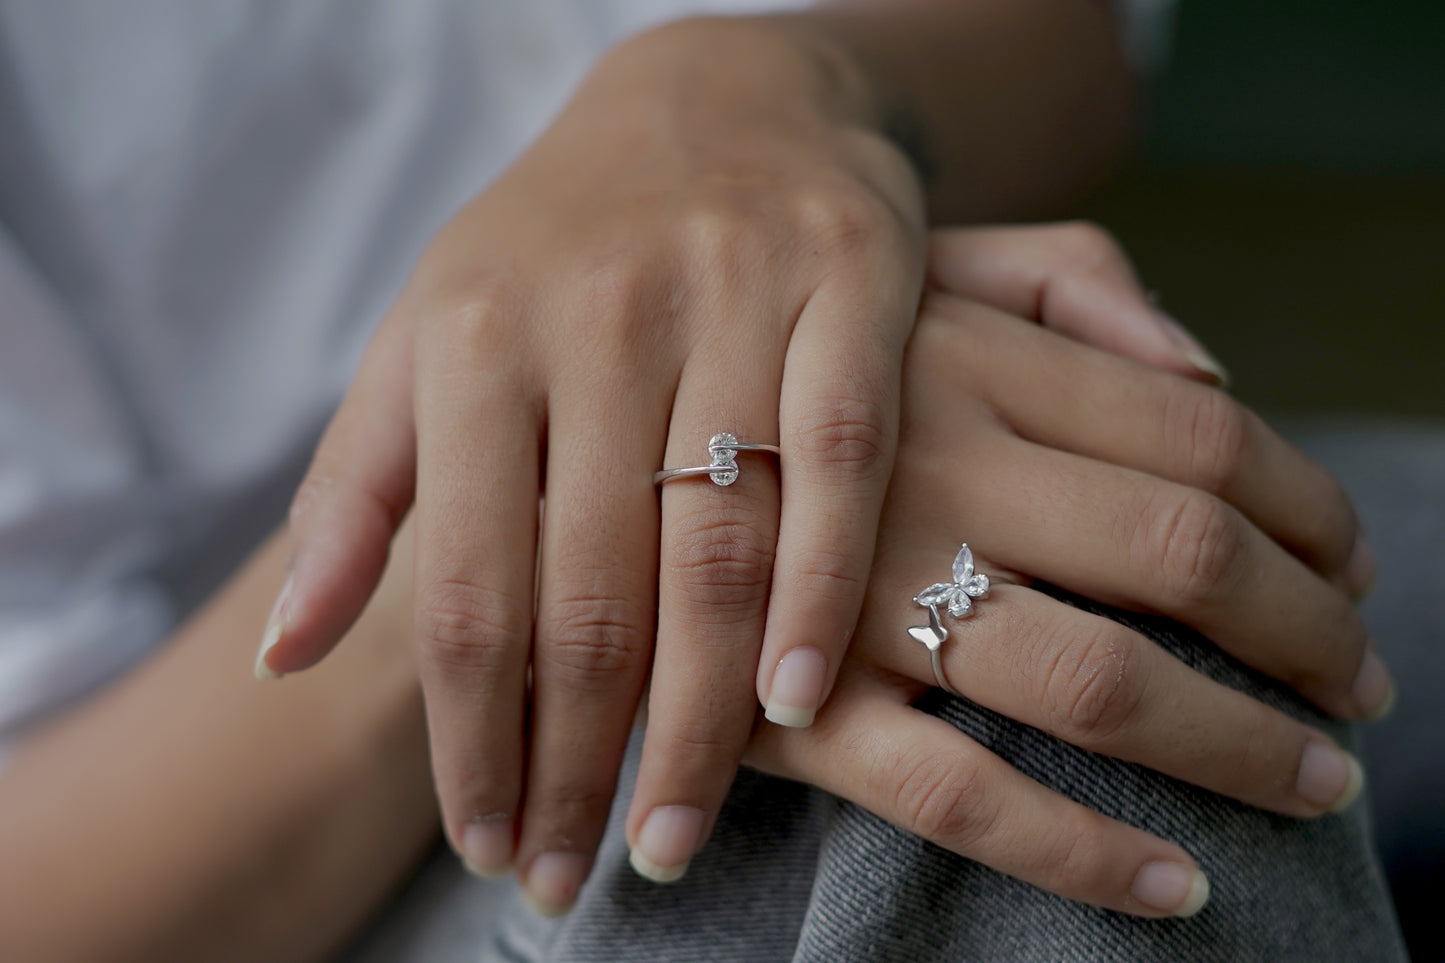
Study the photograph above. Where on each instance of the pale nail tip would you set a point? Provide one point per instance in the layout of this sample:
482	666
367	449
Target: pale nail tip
1384	708
647	869
1353	786
496	873
794	717
1210	367
544	909
1198	896
263	671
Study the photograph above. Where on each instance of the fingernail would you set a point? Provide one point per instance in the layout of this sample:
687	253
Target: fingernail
1374	690
487	847
1171	887
1329	777
275	625
1194	352
797	687
1360	569
554	881
667	841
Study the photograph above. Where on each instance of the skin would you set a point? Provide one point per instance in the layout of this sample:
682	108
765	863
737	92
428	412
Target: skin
742	250
250	849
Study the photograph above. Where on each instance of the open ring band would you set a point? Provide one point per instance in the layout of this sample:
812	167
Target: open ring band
723	470
958	596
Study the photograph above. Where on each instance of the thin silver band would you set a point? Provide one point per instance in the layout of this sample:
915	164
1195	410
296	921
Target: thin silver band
723	449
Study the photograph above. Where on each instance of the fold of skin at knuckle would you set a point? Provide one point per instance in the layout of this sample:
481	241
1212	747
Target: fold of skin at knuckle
1074	856
316	489
843	440
1210	434
721	563
568	815
1090	685
591	641
462	626
828	576
943	799
1192	544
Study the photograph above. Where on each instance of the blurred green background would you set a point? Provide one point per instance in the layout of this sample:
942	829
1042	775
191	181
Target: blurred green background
1289	201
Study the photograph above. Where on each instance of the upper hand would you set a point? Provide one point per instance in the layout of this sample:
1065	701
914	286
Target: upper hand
689	249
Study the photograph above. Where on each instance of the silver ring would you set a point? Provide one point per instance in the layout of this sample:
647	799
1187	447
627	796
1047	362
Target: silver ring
723	470
959	596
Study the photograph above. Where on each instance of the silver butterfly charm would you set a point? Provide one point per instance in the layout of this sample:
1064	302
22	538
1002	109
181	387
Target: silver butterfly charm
958	595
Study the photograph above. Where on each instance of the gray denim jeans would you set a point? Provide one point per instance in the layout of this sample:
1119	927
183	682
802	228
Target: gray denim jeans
792	873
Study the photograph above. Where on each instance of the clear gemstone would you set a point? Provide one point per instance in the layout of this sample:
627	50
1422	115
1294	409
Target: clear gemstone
725	478
959	606
935	594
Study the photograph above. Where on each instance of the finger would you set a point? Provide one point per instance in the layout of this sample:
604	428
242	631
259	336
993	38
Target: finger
716	561
924	776
1130	539
1108	689
1086	401
477	489
839	425
594	636
1075	279
350	504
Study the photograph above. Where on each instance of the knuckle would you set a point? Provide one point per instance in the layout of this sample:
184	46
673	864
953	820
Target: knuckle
315	489
722	561
828	575
846	434
845	220
1194	543
1214	430
943	800
1089	689
591	639
569	805
467	626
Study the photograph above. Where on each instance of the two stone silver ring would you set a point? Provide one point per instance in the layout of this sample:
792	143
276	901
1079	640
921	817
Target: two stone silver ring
723	469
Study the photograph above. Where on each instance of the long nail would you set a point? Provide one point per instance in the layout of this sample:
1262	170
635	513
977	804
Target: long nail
1174	888
554	881
487	847
1194	352
1374	690
1328	777
797	687
667	841
275	626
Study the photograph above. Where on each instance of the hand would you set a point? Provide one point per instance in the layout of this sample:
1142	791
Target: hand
689	249
1061	462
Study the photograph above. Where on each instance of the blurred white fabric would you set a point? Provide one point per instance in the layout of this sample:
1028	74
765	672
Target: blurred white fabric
205	208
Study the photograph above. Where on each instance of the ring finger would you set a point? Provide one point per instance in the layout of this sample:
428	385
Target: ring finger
717	551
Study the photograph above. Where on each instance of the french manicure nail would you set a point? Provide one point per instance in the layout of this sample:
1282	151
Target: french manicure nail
1374	690
487	847
554	881
1194	352
667	841
275	626
1171	887
1360	569
1328	777
797	687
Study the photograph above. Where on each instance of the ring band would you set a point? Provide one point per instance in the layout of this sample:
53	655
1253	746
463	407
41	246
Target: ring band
723	469
958	595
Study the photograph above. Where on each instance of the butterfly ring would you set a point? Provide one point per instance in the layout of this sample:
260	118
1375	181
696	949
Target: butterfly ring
958	595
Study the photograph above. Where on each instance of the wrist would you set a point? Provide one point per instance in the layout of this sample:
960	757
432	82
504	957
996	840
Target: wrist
767	66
